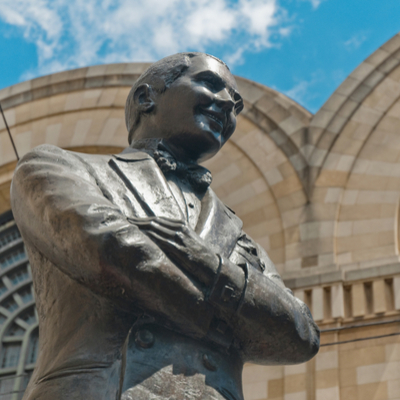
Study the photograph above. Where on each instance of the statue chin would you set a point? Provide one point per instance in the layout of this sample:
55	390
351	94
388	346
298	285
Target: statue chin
197	148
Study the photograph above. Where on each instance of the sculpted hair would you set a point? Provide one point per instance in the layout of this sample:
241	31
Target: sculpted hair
159	76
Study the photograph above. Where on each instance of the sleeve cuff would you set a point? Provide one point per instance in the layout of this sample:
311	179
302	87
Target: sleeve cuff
228	287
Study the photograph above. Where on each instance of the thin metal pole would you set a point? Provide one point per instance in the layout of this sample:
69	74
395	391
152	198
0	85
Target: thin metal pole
9	133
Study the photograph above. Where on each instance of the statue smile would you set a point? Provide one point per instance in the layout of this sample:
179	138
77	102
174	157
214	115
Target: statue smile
218	117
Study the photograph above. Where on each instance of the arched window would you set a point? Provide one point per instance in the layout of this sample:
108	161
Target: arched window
33	347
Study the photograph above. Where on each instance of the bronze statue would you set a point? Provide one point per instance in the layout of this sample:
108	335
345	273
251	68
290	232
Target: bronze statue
146	285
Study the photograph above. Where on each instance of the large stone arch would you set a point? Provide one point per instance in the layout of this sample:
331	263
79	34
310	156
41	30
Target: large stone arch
336	142
355	161
348	103
284	120
367	224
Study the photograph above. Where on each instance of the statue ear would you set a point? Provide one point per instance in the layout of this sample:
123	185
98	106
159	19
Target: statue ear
143	98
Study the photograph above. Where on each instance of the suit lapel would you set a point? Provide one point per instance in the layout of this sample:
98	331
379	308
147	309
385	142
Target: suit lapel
146	182
217	225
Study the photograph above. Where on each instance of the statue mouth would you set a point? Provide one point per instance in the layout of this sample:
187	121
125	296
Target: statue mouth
218	118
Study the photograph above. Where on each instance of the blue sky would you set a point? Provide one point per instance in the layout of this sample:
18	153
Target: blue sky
303	48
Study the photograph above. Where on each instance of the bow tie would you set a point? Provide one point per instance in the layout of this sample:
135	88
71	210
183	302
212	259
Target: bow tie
199	177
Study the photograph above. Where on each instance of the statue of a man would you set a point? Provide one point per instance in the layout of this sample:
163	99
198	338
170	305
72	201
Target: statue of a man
145	283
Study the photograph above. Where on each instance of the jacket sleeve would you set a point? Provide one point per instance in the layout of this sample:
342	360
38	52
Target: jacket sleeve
62	213
274	325
270	325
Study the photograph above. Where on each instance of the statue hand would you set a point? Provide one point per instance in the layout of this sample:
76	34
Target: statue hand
182	245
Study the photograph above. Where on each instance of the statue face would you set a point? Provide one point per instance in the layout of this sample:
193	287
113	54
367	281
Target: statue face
196	115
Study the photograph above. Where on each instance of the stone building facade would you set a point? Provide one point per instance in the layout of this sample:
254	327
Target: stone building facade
320	193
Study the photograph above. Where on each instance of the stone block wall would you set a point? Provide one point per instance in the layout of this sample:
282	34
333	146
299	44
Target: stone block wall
359	357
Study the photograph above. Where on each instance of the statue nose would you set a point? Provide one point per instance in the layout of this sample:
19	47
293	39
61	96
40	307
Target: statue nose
224	100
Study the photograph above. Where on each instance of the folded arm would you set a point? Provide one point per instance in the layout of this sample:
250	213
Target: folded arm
269	324
61	211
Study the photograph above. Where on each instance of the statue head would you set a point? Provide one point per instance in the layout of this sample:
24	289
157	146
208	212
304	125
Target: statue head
190	100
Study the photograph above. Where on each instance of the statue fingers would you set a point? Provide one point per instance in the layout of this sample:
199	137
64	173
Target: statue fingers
150	221
160	240
160	230
171	223
138	220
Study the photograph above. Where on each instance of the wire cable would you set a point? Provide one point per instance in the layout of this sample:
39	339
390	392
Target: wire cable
342	328
9	133
360	339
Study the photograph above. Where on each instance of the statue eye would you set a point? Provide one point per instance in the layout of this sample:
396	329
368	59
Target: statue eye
212	83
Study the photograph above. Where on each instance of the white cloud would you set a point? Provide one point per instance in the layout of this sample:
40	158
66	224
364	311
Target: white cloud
315	3
302	92
236	57
259	16
298	91
212	20
355	41
74	33
285	31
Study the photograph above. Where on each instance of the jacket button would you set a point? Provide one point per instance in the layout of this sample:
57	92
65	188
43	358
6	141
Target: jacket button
209	362
144	338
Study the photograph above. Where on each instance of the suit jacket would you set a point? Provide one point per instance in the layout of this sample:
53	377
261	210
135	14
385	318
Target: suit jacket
95	274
